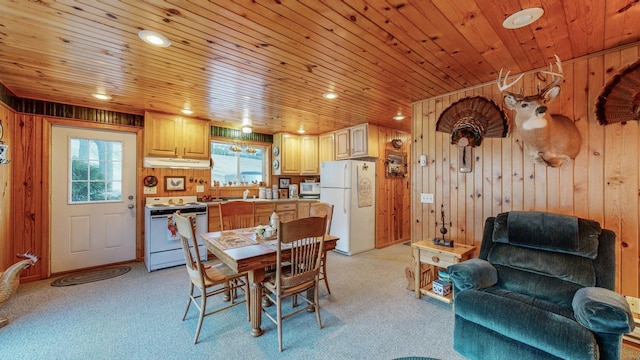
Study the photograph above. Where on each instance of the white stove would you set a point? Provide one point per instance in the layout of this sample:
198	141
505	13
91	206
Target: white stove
161	239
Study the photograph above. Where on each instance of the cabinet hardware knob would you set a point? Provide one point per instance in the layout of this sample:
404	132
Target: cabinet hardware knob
435	259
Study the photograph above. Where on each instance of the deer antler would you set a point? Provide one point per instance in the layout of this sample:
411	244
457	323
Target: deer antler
504	85
556	77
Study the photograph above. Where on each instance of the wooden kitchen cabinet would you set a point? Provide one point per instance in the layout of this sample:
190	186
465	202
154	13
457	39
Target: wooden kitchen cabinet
363	140
263	213
326	147
287	160
295	155
343	148
175	137
356	142
287	211
309	164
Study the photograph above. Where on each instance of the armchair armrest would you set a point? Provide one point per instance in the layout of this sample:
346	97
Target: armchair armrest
602	310
473	274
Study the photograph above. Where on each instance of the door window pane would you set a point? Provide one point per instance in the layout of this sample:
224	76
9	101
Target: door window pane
235	164
96	170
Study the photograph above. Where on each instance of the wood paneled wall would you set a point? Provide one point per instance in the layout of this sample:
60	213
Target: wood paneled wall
23	222
6	258
393	194
601	184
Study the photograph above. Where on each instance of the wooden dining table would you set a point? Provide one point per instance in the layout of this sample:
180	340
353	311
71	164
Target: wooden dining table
242	250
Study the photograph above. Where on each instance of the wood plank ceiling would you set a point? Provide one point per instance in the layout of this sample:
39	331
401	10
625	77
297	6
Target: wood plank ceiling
271	60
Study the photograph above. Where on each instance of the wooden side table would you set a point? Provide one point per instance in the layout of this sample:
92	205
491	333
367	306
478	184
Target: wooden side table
425	251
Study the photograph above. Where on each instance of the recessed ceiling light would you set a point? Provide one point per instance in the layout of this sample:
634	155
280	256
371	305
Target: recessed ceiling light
154	38
522	18
101	96
330	95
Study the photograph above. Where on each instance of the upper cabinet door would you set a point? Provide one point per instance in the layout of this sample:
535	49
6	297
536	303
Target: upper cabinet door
290	154
196	139
309	164
364	141
161	135
326	147
359	140
343	151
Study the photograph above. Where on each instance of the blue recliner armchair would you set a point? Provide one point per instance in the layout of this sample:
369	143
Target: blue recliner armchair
542	288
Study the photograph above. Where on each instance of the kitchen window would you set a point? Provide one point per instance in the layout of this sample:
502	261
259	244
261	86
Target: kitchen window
236	164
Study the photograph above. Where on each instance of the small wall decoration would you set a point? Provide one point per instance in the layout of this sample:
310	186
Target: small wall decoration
150	181
174	183
284	183
619	99
471	119
395	163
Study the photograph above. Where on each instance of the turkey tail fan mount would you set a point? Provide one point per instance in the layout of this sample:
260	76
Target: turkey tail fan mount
619	99
471	119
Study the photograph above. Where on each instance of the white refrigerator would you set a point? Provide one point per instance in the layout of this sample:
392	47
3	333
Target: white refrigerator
350	185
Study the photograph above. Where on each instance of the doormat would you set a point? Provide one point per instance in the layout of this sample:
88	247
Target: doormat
88	276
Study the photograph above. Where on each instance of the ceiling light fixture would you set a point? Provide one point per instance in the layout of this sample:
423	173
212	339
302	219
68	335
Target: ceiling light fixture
301	130
399	116
101	96
154	38
187	111
330	95
247	129
523	18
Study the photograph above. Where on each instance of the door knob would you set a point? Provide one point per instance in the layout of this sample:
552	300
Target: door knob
130	206
130	197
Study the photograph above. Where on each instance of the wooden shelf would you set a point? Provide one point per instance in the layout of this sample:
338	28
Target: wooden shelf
427	290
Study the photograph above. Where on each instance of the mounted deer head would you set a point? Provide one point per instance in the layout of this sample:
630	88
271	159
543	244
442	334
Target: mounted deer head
551	139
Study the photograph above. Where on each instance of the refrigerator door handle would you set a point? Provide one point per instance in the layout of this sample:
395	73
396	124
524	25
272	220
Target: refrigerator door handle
345	176
344	201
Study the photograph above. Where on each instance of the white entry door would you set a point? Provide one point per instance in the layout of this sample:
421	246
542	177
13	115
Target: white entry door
93	189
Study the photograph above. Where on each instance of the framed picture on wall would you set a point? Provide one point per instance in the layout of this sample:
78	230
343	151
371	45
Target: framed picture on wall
284	183
174	183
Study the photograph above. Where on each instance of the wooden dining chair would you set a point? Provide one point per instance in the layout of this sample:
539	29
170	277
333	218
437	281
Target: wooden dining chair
210	279
236	215
299	249
322	209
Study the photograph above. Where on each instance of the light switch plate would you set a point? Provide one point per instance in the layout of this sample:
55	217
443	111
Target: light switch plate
426	198
199	188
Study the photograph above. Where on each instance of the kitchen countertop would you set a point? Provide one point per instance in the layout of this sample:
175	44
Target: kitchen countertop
216	202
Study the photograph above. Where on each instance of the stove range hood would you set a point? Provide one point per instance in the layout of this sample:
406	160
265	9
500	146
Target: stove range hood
175	163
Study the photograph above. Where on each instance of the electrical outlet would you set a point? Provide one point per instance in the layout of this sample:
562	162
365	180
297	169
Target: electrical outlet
426	198
199	188
150	190
634	304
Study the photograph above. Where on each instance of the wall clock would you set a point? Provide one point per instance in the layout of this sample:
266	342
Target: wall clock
276	151
276	164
